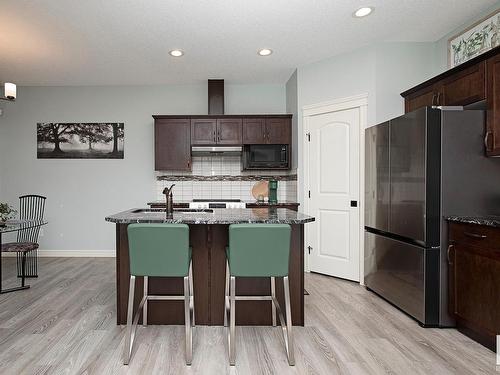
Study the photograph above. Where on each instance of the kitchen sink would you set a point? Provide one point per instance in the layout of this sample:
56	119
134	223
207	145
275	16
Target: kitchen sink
176	210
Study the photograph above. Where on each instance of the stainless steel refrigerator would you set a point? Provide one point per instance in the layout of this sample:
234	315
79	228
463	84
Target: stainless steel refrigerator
420	168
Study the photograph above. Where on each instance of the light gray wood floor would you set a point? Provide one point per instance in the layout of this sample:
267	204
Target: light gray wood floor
65	324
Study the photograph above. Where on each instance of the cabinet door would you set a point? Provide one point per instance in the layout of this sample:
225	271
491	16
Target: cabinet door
492	137
203	131
172	145
278	131
464	87
422	98
477	288
254	130
229	131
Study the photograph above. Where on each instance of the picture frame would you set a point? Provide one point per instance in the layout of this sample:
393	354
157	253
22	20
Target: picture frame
477	39
80	140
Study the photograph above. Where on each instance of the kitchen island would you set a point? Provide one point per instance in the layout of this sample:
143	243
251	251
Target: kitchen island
208	231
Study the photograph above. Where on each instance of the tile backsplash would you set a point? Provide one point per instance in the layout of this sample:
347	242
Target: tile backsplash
218	177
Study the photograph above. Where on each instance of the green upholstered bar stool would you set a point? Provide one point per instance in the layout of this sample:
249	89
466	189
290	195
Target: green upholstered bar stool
159	250
258	250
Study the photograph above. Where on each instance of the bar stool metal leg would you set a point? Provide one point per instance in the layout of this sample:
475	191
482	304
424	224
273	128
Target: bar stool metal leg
226	296
191	292
232	322
127	349
145	307
273	295
289	340
187	323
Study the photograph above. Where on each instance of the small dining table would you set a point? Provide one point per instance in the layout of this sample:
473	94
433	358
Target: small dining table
14	226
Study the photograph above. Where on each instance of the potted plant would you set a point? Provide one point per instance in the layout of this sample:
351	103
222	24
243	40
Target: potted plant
6	213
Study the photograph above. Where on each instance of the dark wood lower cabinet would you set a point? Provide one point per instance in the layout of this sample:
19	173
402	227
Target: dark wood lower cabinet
474	281
209	265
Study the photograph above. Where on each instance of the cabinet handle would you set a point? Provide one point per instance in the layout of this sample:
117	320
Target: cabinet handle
438	101
475	235
218	136
189	164
486	140
214	137
448	254
433	99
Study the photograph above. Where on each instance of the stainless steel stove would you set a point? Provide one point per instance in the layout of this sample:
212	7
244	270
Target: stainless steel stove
216	203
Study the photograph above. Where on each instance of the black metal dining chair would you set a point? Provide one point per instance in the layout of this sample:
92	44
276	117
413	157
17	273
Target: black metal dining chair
31	207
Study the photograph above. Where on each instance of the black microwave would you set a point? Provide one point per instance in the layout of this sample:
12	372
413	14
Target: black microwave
266	157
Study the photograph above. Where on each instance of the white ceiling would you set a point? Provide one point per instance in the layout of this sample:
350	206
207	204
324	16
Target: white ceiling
118	42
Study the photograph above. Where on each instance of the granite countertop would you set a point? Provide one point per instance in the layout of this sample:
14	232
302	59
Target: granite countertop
488	220
216	216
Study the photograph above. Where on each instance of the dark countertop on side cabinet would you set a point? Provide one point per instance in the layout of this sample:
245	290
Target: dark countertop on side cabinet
487	220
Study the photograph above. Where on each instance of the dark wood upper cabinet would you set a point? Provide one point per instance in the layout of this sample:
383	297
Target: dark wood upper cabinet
267	130
172	145
203	131
465	87
278	130
421	98
462	88
492	136
254	131
216	131
174	135
229	131
474	81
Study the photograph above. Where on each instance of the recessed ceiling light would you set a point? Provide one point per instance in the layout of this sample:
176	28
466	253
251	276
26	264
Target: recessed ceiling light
363	12
176	53
265	52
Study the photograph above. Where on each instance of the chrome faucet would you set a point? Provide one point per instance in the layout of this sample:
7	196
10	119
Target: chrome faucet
169	199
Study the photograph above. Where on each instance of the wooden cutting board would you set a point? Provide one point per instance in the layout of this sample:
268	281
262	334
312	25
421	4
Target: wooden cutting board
260	188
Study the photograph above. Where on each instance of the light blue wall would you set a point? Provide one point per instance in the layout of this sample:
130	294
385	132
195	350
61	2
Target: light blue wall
82	192
338	77
399	66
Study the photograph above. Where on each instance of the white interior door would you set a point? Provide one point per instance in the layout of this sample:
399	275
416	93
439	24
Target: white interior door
333	168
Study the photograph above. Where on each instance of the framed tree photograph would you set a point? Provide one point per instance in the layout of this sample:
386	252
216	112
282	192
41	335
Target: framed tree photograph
80	140
475	40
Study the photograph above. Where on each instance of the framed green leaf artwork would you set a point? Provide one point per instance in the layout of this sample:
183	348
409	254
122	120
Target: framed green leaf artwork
475	40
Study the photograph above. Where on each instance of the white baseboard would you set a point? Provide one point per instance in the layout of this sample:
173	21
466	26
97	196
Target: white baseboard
72	253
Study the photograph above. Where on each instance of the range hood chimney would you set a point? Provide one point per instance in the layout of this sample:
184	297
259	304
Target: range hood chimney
215	96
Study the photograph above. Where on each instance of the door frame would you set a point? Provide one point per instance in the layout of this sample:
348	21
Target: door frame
358	101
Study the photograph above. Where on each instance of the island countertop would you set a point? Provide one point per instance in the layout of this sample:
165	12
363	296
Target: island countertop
212	216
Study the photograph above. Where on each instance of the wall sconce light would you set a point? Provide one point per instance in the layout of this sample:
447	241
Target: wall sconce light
10	92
